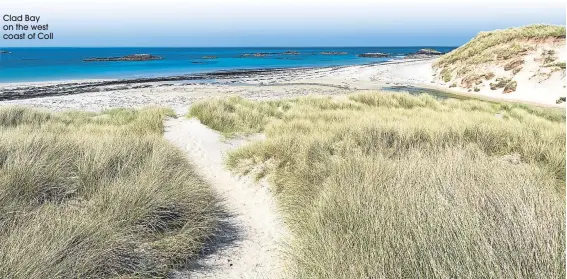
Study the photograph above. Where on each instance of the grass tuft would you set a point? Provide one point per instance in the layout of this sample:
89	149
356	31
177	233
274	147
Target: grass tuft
96	195
560	65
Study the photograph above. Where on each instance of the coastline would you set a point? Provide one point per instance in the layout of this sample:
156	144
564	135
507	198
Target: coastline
67	64
38	89
217	73
180	91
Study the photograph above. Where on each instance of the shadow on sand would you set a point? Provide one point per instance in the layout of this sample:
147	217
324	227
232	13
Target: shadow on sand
225	236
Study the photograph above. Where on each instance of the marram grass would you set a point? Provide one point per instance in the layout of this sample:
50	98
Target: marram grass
505	47
96	195
382	185
485	45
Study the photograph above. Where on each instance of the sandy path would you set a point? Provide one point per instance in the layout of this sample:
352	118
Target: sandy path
249	246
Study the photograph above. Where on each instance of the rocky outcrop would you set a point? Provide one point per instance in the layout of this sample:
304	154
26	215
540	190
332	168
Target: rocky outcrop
259	54
132	57
424	53
291	52
373	55
428	51
333	53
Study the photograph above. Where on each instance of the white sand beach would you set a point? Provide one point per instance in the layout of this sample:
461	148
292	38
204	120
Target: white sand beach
291	83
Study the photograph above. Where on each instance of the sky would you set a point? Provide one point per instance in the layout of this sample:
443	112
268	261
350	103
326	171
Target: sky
224	23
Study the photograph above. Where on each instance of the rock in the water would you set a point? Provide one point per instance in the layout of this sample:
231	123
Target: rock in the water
4	52
373	55
334	53
428	51
424	53
132	57
209	57
259	54
291	52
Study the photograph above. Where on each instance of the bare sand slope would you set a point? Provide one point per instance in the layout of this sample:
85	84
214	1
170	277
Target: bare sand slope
249	243
533	81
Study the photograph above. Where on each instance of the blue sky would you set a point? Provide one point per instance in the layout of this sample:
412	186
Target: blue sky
276	22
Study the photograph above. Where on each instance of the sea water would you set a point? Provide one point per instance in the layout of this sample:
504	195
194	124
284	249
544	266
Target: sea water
54	64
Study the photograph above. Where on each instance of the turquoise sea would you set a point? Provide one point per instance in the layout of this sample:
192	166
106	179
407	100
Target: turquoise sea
53	64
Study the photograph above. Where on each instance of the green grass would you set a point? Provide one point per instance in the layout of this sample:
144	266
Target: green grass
382	185
96	195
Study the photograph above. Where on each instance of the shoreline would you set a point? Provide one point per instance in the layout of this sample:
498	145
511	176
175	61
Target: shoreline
38	89
178	92
190	76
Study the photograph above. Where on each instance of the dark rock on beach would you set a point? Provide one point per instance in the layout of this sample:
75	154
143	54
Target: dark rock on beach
33	91
373	55
132	57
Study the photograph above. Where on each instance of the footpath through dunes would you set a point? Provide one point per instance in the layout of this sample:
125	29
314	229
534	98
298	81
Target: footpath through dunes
390	185
248	243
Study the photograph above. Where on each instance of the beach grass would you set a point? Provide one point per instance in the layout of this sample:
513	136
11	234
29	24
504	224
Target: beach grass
97	195
481	46
504	47
390	185
236	114
560	65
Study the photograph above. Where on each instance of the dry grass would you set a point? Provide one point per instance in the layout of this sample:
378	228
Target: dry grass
505	47
381	185
446	75
482	44
510	86
96	195
235	114
560	65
